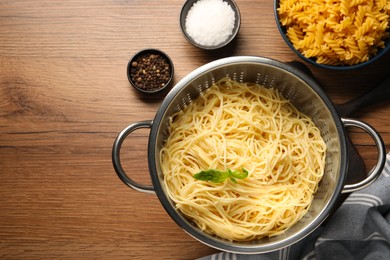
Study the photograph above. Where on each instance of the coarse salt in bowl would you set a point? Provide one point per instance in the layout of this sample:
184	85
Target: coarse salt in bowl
210	24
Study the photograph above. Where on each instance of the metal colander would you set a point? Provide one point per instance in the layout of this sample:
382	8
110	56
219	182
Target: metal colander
305	94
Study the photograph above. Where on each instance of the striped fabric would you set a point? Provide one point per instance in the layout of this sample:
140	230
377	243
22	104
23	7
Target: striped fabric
360	229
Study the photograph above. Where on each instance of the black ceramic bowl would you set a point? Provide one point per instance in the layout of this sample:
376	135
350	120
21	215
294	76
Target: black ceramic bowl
283	31
150	71
183	16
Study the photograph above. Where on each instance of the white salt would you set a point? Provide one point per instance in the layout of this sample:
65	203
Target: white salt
210	22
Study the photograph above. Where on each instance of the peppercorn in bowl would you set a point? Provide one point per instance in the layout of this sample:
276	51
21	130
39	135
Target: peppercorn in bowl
150	71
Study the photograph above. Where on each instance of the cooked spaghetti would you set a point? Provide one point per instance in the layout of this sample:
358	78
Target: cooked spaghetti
237	126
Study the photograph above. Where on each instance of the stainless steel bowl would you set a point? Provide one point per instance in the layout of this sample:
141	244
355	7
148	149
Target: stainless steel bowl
305	94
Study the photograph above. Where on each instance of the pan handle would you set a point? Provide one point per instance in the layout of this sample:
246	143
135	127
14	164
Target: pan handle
116	156
377	170
378	94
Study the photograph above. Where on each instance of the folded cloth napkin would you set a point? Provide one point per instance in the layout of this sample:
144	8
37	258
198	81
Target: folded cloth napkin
359	229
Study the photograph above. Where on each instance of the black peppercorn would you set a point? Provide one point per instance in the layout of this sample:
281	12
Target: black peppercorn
150	71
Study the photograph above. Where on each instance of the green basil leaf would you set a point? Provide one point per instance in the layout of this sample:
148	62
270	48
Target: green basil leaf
239	175
219	176
211	175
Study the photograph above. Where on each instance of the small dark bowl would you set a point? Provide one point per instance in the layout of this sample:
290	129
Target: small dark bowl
237	22
136	66
283	31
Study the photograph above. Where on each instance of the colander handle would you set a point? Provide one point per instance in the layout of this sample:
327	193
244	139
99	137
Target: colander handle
117	161
377	170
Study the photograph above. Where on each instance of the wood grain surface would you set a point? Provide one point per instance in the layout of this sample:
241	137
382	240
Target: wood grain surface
64	97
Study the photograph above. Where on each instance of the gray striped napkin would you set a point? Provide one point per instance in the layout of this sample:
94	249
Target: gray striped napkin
359	229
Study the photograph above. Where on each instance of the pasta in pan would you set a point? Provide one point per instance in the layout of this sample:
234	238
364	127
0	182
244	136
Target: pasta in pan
243	126
338	32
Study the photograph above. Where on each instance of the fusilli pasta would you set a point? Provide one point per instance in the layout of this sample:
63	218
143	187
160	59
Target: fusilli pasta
337	32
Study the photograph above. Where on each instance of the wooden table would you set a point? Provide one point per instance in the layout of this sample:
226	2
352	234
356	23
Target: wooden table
64	97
